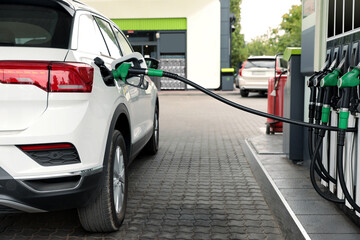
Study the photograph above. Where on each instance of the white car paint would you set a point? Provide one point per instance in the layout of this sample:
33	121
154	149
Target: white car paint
33	116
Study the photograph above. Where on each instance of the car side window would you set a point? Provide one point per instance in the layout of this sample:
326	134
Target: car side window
109	37
125	47
90	39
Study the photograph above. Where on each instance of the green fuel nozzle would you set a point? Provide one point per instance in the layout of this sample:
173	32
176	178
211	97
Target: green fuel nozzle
346	82
350	79
329	81
125	70
121	72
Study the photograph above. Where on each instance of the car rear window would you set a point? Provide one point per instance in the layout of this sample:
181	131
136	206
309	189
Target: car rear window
260	63
34	26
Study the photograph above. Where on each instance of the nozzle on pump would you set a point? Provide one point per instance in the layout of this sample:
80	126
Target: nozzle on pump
328	82
331	79
346	82
350	79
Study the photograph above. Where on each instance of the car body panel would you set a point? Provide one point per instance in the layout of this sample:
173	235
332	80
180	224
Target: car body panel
22	105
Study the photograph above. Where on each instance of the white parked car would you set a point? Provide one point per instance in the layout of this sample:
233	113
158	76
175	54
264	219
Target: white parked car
255	73
68	132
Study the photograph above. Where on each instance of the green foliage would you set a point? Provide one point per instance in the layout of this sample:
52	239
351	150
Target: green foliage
260	46
238	51
288	34
291	25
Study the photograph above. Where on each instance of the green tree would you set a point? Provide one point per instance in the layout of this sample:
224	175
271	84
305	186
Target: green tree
261	46
238	51
291	29
288	34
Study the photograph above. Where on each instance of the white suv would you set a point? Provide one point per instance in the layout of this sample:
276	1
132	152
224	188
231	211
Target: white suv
255	73
68	131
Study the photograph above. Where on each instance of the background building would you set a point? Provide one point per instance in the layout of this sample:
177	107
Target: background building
190	37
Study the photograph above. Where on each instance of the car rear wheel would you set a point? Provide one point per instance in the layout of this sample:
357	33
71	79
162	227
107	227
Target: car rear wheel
107	212
244	93
153	145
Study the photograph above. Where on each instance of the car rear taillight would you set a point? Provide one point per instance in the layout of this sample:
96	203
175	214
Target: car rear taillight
242	68
277	66
277	69
71	77
34	73
49	76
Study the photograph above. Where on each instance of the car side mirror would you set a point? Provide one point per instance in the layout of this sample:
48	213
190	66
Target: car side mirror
152	63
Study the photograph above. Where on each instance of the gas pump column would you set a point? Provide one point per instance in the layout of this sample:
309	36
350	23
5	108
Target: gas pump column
293	136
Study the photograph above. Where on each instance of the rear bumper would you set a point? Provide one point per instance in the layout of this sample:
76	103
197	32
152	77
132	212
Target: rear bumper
48	194
256	84
254	89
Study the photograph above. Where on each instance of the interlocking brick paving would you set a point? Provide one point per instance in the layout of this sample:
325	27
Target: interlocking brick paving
198	186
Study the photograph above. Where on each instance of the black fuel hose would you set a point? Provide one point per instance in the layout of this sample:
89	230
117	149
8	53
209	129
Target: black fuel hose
313	179
318	165
318	158
241	107
315	110
311	153
340	168
310	139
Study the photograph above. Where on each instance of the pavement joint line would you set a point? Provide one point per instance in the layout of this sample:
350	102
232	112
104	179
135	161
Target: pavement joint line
260	167
262	153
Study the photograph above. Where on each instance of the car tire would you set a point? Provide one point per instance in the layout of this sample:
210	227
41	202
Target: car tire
244	93
152	146
107	212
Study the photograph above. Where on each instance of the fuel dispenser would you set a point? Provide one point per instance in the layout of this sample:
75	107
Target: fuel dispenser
334	155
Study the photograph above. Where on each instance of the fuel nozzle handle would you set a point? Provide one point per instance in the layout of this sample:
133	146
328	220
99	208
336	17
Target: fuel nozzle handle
346	82
312	86
125	70
327	83
313	83
319	104
350	79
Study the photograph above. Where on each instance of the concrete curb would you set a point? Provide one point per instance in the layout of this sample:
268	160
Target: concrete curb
288	222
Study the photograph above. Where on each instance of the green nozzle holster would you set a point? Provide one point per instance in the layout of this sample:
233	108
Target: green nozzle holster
325	114
343	119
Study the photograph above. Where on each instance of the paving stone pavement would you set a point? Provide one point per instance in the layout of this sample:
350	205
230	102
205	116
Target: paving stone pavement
198	186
